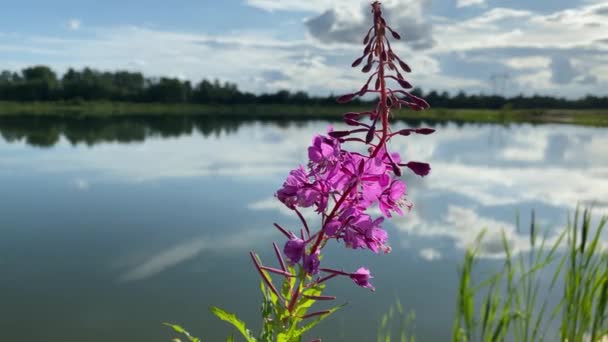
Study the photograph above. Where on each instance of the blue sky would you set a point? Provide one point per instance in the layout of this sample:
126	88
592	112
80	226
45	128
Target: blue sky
552	47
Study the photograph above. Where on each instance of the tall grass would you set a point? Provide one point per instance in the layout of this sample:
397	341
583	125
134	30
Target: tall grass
514	304
396	325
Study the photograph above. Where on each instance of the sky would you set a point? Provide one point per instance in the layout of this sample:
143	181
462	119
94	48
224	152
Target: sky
551	47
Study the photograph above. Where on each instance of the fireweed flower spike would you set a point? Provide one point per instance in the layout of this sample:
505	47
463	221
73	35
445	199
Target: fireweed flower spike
341	185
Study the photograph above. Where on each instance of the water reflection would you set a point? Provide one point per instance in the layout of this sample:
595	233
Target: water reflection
41	131
152	218
47	131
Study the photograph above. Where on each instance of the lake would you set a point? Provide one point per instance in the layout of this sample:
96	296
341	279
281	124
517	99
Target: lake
109	227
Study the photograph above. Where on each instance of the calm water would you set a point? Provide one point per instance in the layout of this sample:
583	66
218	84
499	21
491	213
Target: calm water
110	227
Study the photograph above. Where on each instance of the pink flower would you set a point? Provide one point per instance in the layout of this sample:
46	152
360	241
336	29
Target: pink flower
392	198
296	180
323	150
294	249
362	277
311	263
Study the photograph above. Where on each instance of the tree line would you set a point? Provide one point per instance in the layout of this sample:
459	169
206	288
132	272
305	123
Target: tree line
41	83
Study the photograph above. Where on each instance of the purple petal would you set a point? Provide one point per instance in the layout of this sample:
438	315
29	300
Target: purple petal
294	248
361	278
311	263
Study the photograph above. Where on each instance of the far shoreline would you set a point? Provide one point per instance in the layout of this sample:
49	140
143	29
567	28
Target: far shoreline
106	109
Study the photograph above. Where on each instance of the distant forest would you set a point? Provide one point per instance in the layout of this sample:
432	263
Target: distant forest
41	83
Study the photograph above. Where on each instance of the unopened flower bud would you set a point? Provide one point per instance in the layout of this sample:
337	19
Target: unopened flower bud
357	61
338	134
370	135
345	98
404	66
405	84
421	169
425	130
367	68
352	122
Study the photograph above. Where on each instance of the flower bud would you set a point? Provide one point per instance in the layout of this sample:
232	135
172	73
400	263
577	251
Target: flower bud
345	98
352	115
370	135
367	68
357	61
425	131
352	122
405	84
361	278
396	169
368	48
421	169
366	39
404	66
294	248
418	101
405	132
338	134
311	263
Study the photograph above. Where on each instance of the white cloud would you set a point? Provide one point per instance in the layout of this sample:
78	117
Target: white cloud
509	37
535	62
430	254
347	24
466	3
520	40
165	260
463	226
74	24
562	71
290	5
172	256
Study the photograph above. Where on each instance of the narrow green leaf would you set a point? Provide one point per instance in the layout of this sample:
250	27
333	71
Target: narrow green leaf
232	319
298	332
178	329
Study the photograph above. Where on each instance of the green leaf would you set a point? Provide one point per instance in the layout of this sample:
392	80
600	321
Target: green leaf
282	337
178	329
232	319
305	303
298	332
230	338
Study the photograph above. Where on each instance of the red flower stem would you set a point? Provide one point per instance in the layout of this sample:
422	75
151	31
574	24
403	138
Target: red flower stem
383	94
326	278
320	297
279	256
303	221
330	216
277	271
319	313
265	277
283	230
294	296
329	270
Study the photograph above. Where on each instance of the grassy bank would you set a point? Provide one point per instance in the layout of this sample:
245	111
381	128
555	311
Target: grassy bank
106	109
557	290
